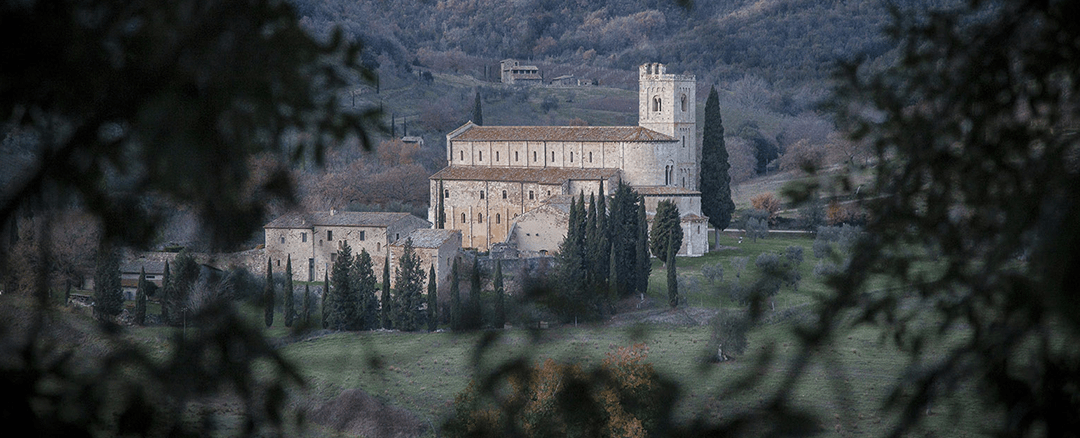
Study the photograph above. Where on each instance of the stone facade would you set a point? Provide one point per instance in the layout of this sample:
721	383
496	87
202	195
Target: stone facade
312	240
434	247
497	175
513	73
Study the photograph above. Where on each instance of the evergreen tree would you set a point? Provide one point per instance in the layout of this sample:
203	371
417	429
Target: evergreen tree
455	298
366	286
624	232
477	112
666	230
601	251
108	298
440	221
643	264
324	299
387	303
290	311
715	184
499	320
672	279
165	293
571	298
474	319
344	302
409	279
140	298
590	244
432	301
268	294
305	319
181	283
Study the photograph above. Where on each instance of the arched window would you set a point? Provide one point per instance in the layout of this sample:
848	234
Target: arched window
657	105
498	218
479	218
462	217
446	193
684	103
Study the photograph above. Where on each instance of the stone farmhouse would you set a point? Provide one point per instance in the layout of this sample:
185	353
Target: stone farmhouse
513	73
434	247
512	184
312	239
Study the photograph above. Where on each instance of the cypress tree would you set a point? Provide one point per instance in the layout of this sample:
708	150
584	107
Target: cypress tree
409	278
387	304
591	244
290	314
108	297
140	299
440	221
643	264
432	301
455	298
666	230
477	112
165	294
672	280
624	234
499	320
343	300
474	320
366	285
325	298
602	251
306	317
573	269
715	184
268	295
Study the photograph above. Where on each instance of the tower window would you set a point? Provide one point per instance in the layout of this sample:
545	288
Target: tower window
481	155
684	103
480	218
462	217
329	234
481	194
498	218
657	105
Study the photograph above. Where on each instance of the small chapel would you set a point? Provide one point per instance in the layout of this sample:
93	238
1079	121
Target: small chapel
513	185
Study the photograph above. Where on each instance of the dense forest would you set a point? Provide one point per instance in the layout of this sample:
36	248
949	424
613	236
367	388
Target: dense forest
789	44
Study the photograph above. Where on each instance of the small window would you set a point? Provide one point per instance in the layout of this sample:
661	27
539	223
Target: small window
549	192
496	155
479	218
571	157
462	217
515	156
504	194
590	157
462	155
333	257
362	237
397	236
481	194
279	263
481	155
684	103
531	194
329	235
282	239
446	194
498	218
552	156
303	237
534	156
657	105
378	246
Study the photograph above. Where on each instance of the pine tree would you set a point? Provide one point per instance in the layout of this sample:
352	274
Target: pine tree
387	303
268	295
290	312
715	184
409	279
343	300
666	230
366	286
108	298
672	279
499	320
165	295
432	301
140	298
643	264
441	220
455	298
477	112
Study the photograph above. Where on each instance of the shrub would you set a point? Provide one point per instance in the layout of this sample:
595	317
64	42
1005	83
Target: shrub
713	272
768	203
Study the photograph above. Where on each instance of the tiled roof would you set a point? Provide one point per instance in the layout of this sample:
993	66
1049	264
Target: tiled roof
542	175
559	133
340	218
428	237
664	191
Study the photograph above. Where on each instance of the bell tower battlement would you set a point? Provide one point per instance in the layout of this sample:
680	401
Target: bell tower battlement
667	103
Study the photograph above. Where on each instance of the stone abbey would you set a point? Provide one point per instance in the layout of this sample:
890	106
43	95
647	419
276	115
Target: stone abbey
512	185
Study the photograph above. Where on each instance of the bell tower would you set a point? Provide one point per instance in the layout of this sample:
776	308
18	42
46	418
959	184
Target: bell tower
667	103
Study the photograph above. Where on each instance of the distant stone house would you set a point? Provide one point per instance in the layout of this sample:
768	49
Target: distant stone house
434	247
129	275
513	73
312	239
564	81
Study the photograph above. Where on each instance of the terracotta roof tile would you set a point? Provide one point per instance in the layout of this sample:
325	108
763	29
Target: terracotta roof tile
558	133
340	218
664	191
428	237
542	175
